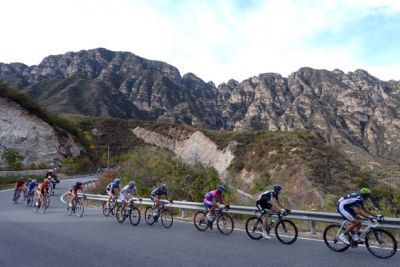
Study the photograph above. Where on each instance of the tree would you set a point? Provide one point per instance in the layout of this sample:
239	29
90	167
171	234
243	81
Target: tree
12	158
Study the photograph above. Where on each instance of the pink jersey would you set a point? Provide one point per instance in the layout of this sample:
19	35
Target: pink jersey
213	194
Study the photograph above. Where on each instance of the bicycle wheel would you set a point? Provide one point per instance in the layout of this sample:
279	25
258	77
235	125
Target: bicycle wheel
200	221
106	208
286	231
134	216
43	206
167	218
331	238
29	200
120	214
380	243
148	216
79	209
69	209
254	228
16	197
225	224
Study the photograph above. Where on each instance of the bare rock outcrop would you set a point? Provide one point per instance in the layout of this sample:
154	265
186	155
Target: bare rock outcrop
33	138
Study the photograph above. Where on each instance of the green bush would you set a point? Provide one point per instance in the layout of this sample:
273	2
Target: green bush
13	159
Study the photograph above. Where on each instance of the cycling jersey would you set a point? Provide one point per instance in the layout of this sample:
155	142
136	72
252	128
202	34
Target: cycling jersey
267	196
158	192
214	194
32	186
346	203
75	188
208	198
127	189
111	187
20	182
43	186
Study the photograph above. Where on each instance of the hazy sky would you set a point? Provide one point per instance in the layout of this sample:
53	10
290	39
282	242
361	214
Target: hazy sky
215	39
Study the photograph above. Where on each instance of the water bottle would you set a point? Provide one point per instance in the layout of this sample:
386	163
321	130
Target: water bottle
271	222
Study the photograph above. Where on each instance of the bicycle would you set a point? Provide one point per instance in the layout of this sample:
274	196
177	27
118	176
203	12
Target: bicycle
29	198
285	230
131	211
17	194
151	215
224	221
78	209
378	242
109	207
42	203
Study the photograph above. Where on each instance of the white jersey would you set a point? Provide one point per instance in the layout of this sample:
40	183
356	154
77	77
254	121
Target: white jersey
127	189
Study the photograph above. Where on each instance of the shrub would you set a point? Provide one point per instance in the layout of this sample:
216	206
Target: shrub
13	159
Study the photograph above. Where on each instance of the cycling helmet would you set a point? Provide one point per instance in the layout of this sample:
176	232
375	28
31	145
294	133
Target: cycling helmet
132	184
33	181
277	187
47	181
220	188
117	181
365	192
164	186
79	184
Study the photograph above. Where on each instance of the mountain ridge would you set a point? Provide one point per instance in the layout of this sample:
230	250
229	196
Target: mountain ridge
354	108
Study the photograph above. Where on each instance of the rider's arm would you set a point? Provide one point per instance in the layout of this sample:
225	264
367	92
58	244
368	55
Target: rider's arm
362	211
280	204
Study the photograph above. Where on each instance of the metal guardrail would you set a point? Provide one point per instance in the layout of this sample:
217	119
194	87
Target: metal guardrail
312	216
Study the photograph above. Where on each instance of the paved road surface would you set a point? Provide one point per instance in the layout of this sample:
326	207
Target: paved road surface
54	239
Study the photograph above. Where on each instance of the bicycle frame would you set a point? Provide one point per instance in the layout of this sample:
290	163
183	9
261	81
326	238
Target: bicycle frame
364	231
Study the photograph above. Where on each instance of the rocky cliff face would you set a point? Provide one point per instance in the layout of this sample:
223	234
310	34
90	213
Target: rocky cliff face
195	148
354	108
33	138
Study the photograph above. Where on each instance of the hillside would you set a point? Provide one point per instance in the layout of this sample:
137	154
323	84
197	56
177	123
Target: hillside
29	131
313	173
344	108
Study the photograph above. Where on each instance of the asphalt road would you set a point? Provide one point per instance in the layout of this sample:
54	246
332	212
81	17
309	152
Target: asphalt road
55	239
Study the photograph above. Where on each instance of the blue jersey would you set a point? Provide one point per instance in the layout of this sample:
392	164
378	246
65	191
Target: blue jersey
112	186
351	200
158	192
32	186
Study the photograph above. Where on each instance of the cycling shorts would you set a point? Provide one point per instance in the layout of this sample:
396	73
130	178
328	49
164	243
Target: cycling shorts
208	203
347	212
263	205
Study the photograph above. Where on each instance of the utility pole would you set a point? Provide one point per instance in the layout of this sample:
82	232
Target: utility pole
108	158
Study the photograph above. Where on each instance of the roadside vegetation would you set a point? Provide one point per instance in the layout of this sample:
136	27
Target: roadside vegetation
150	166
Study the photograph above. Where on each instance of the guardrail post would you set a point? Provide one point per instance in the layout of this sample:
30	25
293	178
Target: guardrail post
183	212
313	226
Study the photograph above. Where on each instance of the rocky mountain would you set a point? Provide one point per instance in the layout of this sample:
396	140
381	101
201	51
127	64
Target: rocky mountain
38	138
353	108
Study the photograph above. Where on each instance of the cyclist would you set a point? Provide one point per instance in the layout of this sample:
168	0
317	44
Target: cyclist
74	193
20	185
31	187
155	197
269	200
210	200
43	188
351	206
126	193
112	188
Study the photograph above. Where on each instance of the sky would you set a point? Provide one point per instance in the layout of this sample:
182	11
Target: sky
217	40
